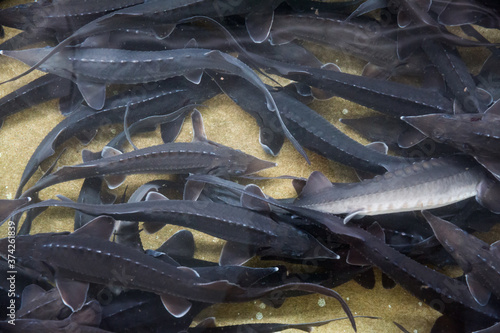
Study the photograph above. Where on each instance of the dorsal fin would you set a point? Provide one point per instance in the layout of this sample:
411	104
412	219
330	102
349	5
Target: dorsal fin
321	94
355	258
101	227
317	182
375	71
192	43
251	202
236	254
188	270
180	244
198	128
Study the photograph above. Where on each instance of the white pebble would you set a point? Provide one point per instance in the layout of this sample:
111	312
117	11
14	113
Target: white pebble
345	111
259	316
321	302
262	306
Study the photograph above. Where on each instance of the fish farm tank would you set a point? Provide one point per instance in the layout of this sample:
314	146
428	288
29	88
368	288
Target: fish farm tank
249	166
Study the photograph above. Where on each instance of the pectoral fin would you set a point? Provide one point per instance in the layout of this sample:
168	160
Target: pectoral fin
194	76
259	24
480	293
73	293
236	254
114	181
94	93
491	164
176	306
355	258
250	202
488	194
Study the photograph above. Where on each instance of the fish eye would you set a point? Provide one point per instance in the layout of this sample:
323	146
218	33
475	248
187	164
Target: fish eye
437	134
467	147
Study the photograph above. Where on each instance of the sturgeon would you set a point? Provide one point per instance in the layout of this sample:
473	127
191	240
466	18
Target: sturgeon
422	185
247	233
199	156
86	256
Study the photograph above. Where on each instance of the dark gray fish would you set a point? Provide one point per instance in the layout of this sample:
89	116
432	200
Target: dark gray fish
38	91
368	247
479	260
208	325
247	233
462	12
311	130
474	134
85	320
364	39
199	156
422	185
469	98
394	132
40	304
143	101
60	17
87	256
93	68
391	98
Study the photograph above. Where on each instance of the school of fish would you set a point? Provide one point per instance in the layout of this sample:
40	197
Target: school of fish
168	233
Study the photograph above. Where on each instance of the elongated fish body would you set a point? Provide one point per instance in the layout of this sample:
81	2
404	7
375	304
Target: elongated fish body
371	249
62	16
169	158
422	185
199	156
238	225
391	98
474	134
38	91
87	256
165	96
363	39
311	130
479	260
93	68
